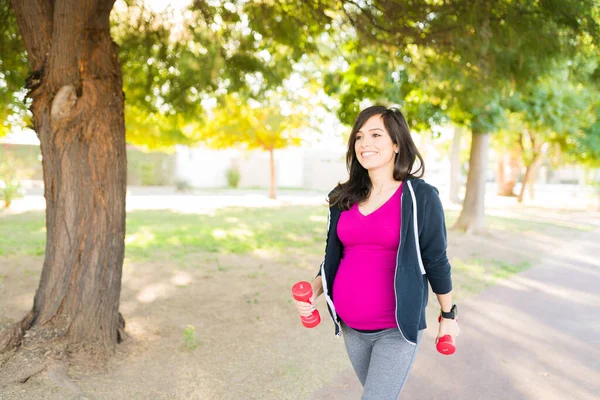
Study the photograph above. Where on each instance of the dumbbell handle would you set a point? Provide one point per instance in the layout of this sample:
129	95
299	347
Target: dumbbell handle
302	291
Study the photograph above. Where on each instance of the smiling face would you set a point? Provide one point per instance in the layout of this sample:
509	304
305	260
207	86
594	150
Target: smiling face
374	148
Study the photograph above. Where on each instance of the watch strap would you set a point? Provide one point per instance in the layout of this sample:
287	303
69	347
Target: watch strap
451	314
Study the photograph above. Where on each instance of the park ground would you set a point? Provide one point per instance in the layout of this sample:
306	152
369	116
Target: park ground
206	291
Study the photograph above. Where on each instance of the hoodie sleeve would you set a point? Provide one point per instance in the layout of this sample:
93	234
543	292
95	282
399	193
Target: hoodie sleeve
433	243
326	242
327	234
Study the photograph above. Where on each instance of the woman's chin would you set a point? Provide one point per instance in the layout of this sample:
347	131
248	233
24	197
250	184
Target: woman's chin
371	166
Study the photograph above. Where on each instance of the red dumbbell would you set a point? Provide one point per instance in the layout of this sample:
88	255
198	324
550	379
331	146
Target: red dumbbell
445	344
302	291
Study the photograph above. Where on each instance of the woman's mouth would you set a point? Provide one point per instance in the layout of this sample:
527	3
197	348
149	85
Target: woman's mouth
367	154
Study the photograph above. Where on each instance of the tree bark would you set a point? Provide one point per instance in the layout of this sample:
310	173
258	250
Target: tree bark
455	167
77	106
472	216
272	181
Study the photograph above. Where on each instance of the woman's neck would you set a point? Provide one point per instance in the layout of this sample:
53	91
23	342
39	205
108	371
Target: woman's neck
382	181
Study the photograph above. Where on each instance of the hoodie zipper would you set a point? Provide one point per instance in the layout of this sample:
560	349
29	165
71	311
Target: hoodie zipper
395	274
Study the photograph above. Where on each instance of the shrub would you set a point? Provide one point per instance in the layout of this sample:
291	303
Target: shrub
182	185
233	177
191	338
9	191
10	184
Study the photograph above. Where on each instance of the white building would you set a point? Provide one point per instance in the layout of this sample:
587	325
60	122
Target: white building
295	167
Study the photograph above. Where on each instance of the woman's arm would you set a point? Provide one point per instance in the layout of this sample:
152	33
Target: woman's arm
433	243
447	326
445	301
317	285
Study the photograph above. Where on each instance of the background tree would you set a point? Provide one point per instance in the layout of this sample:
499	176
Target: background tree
552	111
239	123
469	57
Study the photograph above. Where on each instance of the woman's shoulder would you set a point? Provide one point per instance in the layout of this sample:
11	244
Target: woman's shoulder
423	188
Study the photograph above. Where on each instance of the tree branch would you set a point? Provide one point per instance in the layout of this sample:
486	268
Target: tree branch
34	18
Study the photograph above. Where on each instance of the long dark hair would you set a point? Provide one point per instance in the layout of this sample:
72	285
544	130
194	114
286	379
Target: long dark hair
358	187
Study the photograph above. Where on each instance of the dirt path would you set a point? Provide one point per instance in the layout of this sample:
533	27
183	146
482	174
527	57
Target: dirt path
533	337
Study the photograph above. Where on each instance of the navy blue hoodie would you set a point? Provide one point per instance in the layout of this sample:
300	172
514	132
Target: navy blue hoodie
421	258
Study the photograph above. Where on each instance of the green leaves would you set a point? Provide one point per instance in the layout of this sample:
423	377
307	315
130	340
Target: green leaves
13	71
238	123
472	63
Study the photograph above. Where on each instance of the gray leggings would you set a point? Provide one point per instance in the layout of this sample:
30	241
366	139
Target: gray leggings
381	360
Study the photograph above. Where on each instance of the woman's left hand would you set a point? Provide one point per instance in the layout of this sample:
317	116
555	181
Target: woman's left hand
448	327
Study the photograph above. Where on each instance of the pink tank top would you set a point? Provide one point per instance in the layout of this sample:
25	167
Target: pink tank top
363	289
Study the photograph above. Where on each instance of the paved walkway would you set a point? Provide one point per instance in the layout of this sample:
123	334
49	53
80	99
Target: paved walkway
534	336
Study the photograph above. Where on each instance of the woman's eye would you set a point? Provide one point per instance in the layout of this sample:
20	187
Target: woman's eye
358	137
376	135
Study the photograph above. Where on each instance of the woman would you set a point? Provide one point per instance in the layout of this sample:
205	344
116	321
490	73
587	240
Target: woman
386	242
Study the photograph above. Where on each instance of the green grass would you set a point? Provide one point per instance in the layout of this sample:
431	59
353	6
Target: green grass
23	234
167	234
229	230
172	235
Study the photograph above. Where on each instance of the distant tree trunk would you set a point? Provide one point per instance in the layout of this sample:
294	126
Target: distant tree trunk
529	178
508	169
455	167
500	177
78	116
524	183
272	168
537	157
472	216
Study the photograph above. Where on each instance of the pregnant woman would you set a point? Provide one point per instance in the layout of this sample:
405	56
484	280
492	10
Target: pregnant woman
386	242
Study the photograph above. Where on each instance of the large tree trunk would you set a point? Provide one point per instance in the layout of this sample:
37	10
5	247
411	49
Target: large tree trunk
272	181
455	167
77	111
472	216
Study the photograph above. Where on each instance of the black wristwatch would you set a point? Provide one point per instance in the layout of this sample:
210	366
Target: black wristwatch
452	314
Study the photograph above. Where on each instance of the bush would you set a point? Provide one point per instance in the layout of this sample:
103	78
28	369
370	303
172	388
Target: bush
9	191
191	338
10	184
182	185
233	177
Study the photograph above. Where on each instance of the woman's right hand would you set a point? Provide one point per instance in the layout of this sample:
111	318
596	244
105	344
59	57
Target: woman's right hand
305	309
